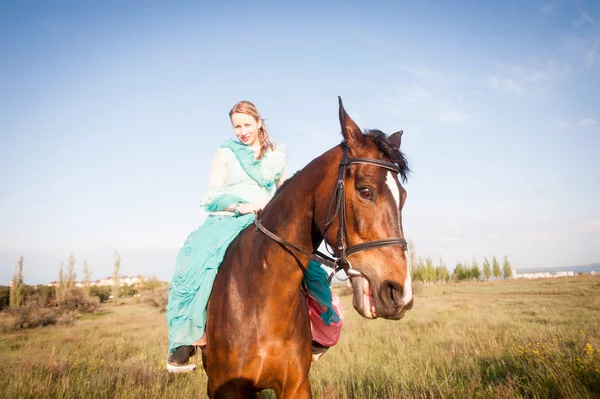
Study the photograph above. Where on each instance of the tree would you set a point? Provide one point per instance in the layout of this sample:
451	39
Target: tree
441	272
475	271
487	270
420	272
506	268
71	272
429	270
414	267
459	272
86	277
62	285
496	268
116	285
16	293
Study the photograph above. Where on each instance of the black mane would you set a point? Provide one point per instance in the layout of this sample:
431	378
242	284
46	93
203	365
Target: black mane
285	183
390	151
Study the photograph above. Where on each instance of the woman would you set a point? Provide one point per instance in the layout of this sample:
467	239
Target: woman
244	175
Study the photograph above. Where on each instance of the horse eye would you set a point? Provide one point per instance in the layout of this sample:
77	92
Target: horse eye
365	193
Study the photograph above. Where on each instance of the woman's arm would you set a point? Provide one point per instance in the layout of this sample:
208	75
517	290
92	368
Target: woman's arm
283	177
217	198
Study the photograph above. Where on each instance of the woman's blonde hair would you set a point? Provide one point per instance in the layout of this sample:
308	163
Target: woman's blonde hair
246	107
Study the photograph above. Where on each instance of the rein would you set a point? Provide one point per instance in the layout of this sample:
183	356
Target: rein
337	201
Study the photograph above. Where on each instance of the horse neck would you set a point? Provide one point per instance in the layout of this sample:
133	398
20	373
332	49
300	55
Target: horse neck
291	214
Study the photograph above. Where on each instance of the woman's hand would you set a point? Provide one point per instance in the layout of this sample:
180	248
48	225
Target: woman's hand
250	207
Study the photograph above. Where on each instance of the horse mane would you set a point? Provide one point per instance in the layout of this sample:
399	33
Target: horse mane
390	151
285	183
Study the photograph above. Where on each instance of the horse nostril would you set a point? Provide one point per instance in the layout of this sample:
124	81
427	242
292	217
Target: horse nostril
393	292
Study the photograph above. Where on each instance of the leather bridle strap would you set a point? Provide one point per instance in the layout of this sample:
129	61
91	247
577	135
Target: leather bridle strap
383	164
377	244
339	211
317	256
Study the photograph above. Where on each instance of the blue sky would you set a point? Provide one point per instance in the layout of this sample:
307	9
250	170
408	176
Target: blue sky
111	114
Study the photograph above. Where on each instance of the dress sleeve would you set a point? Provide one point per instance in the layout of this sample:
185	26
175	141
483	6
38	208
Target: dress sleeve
283	177
218	198
217	178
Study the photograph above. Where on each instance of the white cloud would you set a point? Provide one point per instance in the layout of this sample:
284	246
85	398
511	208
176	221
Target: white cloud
519	78
547	8
452	117
581	123
592	53
504	84
412	93
585	17
587	122
550	70
564	125
426	74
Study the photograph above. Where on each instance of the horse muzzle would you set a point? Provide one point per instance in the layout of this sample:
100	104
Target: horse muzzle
386	300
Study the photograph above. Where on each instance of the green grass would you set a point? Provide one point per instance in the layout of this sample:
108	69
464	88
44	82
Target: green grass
509	339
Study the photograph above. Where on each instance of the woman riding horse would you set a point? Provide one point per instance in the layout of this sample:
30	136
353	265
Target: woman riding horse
258	326
243	178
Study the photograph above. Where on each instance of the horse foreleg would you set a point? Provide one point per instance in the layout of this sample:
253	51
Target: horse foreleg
233	389
301	390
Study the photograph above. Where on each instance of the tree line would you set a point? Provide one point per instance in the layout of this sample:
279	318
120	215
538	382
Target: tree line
16	295
426	271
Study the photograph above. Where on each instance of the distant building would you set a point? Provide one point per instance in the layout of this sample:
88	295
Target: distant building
545	274
109	281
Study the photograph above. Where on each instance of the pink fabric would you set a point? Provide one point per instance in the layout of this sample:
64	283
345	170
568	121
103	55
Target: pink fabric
324	334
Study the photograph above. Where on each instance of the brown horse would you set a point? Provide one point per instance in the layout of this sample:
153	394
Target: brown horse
258	330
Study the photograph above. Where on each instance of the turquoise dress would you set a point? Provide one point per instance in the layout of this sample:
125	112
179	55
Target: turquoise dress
235	176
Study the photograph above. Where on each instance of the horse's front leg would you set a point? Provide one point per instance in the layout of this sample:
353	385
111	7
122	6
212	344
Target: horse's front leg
299	390
234	389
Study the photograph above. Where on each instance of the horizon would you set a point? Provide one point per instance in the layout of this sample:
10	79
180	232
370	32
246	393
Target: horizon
113	112
592	265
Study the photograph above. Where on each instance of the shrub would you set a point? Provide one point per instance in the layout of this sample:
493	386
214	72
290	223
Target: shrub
33	314
4	297
158	297
103	293
151	283
128	291
67	318
75	298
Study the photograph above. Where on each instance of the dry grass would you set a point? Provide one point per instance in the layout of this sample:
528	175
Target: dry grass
513	339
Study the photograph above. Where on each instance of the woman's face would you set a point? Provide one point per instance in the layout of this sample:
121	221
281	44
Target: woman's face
245	128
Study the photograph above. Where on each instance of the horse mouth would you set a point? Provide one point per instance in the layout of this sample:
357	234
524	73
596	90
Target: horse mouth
371	306
363	299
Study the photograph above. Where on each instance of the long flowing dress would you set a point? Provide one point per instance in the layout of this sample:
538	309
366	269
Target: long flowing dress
235	176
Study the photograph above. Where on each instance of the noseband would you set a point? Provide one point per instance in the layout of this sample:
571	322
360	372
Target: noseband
338	206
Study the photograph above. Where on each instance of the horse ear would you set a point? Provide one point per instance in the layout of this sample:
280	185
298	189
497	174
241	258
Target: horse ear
350	130
396	138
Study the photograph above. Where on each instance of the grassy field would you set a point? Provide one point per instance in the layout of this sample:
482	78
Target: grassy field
508	339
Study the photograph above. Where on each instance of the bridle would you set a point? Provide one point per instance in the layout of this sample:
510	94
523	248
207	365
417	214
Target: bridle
338	207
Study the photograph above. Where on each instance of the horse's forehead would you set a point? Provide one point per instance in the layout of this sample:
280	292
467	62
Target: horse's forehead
394	187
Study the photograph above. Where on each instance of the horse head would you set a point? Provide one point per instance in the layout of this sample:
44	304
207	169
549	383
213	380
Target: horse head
368	234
